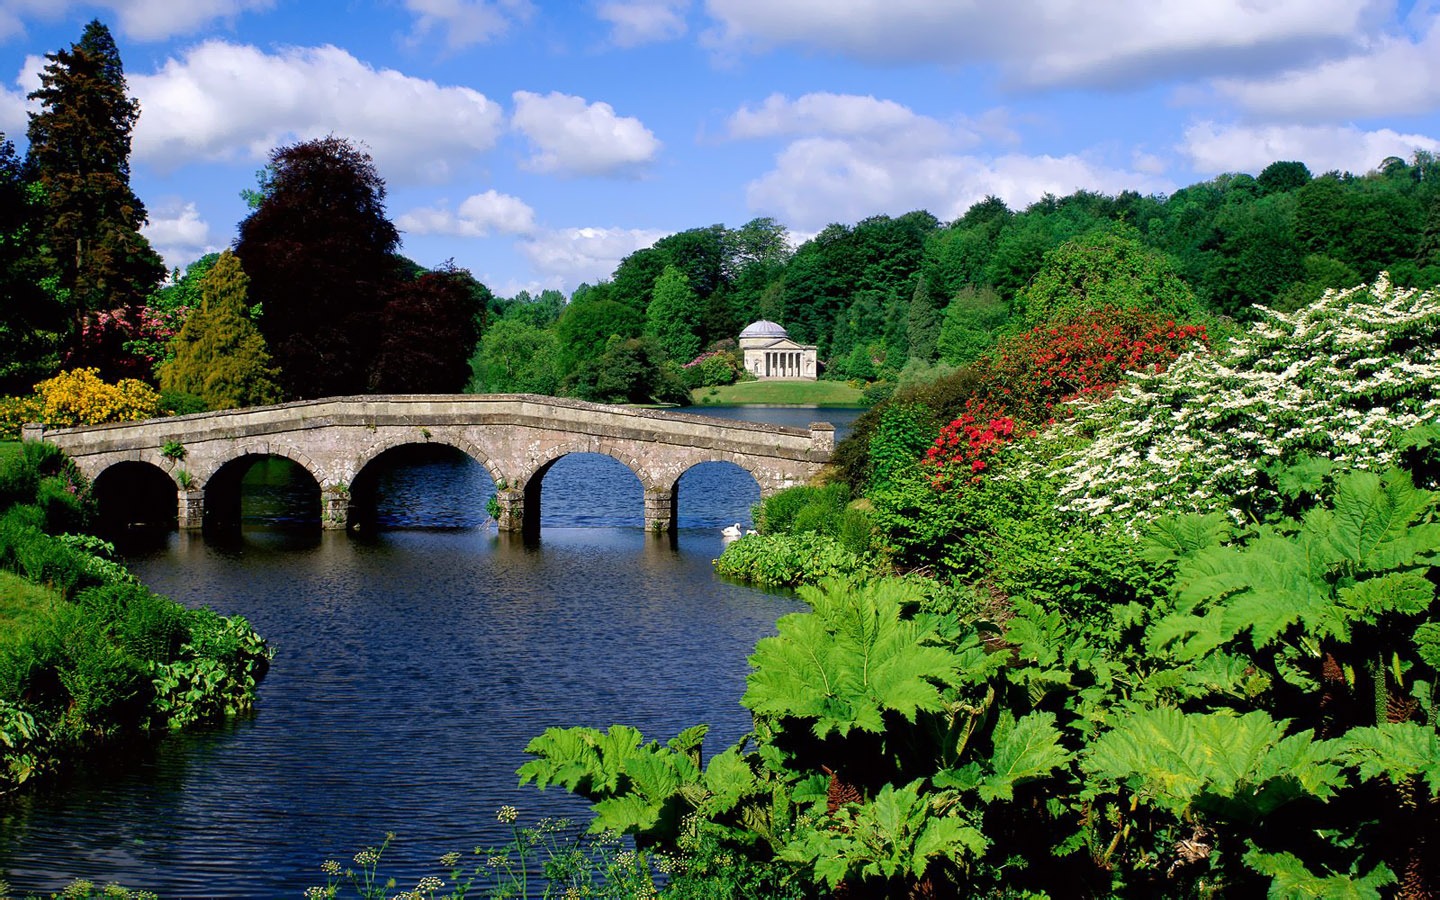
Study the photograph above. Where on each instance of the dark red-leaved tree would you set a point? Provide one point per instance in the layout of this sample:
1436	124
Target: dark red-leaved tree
429	329
320	254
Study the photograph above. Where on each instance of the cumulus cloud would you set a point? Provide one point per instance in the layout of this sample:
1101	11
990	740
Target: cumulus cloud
178	234
636	22
851	156
479	215
466	22
220	101
819	180
825	113
1041	42
1390	75
573	137
15	108
572	255
1243	148
143	20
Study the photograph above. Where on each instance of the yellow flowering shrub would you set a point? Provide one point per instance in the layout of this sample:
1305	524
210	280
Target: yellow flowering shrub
79	397
16	411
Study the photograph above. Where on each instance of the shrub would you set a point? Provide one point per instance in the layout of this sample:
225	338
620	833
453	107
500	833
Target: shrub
64	508
801	508
900	440
787	560
179	403
18	411
1341	379
79	397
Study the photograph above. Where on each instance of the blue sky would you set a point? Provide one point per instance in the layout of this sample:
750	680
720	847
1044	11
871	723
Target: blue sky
537	143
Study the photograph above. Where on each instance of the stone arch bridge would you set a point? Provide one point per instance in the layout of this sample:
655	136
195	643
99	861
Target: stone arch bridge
516	437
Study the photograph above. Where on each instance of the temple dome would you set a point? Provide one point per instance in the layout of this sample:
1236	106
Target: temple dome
764	329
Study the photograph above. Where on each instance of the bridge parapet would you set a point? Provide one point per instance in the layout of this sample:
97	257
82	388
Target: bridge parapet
515	437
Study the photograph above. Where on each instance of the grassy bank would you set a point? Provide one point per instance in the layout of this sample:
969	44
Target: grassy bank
89	655
779	393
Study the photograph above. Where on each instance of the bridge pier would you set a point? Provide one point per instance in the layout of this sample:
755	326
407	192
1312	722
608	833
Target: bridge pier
512	510
335	507
190	511
660	511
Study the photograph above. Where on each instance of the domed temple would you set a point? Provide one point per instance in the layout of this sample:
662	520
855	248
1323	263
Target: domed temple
771	355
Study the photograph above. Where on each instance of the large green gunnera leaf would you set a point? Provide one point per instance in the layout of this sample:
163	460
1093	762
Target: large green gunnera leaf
853	658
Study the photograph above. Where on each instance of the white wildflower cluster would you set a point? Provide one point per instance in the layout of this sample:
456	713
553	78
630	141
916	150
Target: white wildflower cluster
1336	379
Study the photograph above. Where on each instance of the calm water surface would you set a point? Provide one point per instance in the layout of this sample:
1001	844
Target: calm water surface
414	662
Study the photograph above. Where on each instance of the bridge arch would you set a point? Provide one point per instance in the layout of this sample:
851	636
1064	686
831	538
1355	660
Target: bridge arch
135	492
455	441
523	499
222	491
459	502
697	486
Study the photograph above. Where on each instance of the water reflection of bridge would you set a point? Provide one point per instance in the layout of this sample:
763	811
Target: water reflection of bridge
515	437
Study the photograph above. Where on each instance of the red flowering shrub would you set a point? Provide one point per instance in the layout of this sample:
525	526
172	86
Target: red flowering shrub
966	444
1025	382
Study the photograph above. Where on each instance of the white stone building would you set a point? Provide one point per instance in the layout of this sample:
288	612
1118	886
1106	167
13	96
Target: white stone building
771	355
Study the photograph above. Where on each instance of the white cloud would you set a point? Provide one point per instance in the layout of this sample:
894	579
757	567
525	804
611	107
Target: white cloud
572	137
1052	42
1238	148
635	22
820	180
143	20
854	156
15	108
1390	75
466	22
569	256
14	13
480	215
179	235
825	113
221	101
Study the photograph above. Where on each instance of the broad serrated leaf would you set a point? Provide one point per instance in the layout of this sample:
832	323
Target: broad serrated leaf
1371	529
1289	878
1395	751
625	814
1178	537
950	838
1406	593
1305	476
1025	749
1427	643
728	777
1244	764
849	661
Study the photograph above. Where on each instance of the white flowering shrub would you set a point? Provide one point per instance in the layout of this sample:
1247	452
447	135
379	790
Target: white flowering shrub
1338	379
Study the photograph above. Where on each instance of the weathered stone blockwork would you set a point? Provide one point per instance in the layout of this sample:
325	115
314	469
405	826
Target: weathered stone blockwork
516	437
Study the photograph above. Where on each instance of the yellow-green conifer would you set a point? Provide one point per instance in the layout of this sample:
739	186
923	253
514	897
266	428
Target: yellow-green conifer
220	356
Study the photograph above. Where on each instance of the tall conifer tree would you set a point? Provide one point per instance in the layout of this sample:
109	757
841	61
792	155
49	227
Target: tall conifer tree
220	355
80	156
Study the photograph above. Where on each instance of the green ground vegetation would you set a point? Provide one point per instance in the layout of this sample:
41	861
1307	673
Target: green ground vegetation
1128	607
88	655
780	393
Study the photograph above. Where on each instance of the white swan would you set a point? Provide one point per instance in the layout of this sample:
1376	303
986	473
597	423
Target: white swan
731	531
